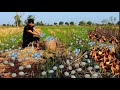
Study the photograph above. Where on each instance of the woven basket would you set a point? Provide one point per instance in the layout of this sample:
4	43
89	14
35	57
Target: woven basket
50	45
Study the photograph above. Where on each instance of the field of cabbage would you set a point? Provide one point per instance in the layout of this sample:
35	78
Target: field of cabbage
71	59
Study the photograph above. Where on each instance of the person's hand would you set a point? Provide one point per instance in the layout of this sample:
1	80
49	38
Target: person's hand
37	34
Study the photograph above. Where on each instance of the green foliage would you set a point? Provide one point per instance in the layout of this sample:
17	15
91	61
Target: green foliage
55	23
39	23
118	23
71	23
25	22
31	17
110	21
61	23
82	23
17	20
4	25
66	23
89	23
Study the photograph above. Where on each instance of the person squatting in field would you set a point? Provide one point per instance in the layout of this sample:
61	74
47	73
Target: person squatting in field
28	35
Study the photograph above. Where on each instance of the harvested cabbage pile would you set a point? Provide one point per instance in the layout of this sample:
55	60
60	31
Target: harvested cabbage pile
49	38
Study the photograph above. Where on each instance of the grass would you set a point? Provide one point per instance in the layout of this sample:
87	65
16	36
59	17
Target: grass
71	36
64	34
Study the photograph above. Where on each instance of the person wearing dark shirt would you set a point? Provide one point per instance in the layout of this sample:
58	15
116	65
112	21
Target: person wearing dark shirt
28	33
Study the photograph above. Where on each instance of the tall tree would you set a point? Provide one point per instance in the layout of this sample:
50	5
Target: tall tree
105	21
37	23
17	19
41	23
25	22
31	17
112	19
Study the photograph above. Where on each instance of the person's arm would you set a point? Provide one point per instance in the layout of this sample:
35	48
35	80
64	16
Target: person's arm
36	31
31	32
27	29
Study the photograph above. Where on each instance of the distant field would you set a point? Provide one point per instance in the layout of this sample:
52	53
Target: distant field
63	33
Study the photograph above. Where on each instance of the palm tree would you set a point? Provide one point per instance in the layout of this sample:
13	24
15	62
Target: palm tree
17	19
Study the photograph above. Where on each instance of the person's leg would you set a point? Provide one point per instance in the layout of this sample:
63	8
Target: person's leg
25	43
37	42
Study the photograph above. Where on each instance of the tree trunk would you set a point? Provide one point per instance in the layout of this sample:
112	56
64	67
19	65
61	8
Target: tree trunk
17	23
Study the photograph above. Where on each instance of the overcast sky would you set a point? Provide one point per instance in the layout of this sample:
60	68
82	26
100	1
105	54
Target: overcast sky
51	17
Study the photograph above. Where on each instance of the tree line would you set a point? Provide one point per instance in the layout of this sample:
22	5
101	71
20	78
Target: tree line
18	22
